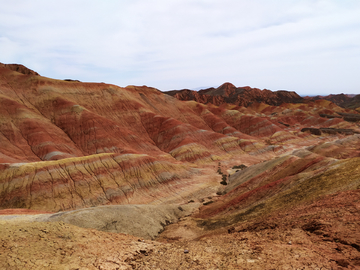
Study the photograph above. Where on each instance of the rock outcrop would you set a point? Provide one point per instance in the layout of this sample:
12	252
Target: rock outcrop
287	181
241	96
342	100
82	182
145	221
19	68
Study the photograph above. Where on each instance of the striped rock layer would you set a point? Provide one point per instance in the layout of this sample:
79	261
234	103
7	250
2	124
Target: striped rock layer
68	144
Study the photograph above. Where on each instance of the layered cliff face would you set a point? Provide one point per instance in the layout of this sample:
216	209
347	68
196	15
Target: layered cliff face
83	182
63	143
241	96
282	183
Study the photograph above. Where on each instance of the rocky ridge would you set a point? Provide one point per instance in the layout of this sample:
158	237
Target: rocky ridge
240	96
342	100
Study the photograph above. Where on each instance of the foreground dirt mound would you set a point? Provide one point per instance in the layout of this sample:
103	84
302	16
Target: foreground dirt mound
56	245
319	235
322	234
145	221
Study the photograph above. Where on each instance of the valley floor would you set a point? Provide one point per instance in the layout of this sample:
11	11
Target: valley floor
319	235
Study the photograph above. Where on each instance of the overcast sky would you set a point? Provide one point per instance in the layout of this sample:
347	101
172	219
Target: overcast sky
307	46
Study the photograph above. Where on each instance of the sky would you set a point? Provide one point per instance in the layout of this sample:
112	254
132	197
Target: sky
311	47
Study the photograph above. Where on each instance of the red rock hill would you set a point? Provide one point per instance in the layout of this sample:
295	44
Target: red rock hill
67	144
241	96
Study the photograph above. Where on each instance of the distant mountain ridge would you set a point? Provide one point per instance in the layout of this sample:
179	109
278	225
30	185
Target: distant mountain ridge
246	95
342	100
241	96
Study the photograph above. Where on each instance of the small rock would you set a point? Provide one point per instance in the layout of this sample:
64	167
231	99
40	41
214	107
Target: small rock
186	251
289	242
143	251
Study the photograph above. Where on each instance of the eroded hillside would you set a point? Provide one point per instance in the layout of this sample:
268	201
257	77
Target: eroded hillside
68	146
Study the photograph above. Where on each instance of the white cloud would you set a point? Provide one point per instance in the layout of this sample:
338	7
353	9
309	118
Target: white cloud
306	46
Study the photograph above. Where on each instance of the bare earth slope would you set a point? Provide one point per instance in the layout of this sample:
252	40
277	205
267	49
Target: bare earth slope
68	145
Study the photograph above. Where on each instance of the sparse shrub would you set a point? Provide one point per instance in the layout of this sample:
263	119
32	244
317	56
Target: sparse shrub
219	169
342	263
231	229
241	167
70	80
208	202
223	183
224	178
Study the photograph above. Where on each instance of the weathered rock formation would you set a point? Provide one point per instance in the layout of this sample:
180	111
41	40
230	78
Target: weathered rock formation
288	198
241	96
281	184
19	68
319	131
68	145
342	100
82	182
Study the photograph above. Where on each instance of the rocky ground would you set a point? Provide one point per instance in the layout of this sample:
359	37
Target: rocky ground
319	235
39	245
